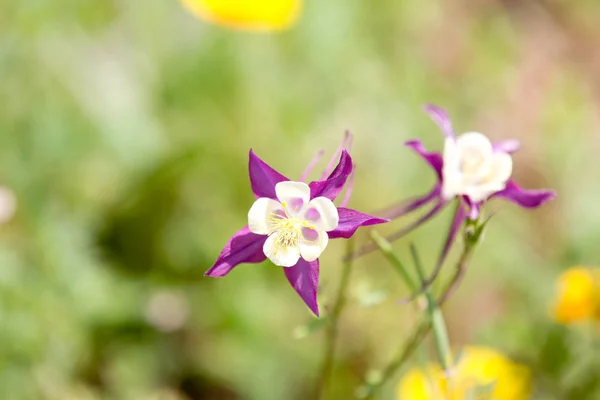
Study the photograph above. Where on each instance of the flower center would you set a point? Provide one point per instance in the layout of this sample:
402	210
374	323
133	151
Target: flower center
295	224
473	168
288	229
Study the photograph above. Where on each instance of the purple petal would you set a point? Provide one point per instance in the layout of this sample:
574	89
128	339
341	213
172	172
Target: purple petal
435	160
346	144
304	278
335	182
410	205
507	146
523	197
263	178
440	117
243	247
350	221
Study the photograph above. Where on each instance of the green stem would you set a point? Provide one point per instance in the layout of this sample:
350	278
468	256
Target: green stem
461	267
404	352
388	253
332	327
440	333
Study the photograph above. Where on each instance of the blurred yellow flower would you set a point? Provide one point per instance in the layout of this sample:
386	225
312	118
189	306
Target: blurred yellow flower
260	15
577	295
477	367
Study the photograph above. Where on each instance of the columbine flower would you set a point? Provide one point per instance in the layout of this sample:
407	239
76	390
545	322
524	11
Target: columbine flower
258	15
291	223
294	224
577	295
472	170
478	367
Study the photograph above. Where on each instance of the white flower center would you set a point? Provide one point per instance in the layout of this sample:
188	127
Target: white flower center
473	168
296	225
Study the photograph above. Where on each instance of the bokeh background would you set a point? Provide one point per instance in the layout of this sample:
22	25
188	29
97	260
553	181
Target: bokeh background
125	130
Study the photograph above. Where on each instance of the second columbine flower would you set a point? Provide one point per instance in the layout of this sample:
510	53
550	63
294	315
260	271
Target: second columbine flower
471	169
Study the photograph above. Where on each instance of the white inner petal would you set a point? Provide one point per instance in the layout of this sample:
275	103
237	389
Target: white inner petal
501	167
322	213
296	226
294	196
261	213
283	256
451	169
475	142
472	168
313	243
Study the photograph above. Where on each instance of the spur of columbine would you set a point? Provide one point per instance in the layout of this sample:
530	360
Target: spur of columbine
291	223
471	169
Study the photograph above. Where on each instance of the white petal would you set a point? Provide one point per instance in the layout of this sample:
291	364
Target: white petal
312	247
281	256
451	187
474	141
451	154
322	213
475	157
452	176
481	192
495	180
501	167
260	213
293	196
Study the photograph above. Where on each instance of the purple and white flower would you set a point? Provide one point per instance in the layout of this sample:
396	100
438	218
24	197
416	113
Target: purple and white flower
471	169
291	223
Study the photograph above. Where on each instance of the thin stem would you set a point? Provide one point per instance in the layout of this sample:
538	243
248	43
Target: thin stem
461	267
370	247
332	327
386	249
440	333
404	352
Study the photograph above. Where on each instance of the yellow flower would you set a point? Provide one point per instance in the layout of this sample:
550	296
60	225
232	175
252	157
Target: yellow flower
577	295
478	366
261	15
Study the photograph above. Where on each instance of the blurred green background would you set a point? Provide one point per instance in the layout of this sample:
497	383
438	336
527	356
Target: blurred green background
125	131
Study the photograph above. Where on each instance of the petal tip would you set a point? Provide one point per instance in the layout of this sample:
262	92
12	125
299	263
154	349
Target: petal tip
211	273
441	118
316	311
345	154
431	107
524	197
550	195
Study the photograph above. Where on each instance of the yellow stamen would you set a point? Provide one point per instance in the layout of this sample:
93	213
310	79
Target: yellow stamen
288	230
